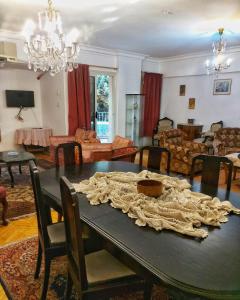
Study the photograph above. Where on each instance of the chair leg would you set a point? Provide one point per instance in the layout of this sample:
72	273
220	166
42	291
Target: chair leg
46	278
68	288
148	291
59	217
20	168
39	261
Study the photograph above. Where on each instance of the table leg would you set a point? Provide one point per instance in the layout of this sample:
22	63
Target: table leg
11	175
4	212
20	168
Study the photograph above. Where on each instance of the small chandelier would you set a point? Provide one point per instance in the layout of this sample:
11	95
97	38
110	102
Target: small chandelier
47	47
218	63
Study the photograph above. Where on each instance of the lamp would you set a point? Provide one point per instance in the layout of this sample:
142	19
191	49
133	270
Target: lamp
47	47
219	62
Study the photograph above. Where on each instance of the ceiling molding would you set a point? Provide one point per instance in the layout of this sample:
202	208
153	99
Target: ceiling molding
118	52
11	35
230	50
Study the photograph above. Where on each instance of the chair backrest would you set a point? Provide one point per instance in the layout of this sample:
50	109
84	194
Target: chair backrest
210	172
164	124
216	126
73	229
155	157
72	154
43	211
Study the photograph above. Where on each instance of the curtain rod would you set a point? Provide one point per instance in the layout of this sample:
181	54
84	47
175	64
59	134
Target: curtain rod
101	67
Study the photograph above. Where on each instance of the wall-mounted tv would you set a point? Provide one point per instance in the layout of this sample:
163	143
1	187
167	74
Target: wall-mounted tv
19	98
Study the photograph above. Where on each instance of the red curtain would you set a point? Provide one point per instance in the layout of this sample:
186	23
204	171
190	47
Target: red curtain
79	105
152	86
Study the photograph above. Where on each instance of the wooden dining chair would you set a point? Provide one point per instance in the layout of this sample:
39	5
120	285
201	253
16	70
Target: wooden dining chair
155	155
66	154
211	167
51	237
98	274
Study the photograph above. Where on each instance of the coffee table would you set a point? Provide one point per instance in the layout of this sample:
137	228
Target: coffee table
10	158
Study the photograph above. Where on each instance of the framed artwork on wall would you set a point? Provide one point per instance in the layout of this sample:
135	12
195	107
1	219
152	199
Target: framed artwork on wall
222	87
191	103
182	90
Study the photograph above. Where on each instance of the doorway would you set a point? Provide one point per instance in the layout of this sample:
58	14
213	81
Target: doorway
101	92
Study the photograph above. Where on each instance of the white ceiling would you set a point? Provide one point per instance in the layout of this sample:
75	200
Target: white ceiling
159	28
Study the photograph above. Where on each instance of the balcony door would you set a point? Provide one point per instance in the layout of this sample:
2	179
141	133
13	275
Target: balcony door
102	108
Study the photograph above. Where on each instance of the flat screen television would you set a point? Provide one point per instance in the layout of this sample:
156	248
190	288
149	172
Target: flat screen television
19	98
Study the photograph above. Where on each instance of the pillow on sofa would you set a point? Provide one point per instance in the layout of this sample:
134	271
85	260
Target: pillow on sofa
121	142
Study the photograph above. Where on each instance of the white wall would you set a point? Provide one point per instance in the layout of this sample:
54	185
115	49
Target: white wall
55	96
209	108
11	79
54	103
128	82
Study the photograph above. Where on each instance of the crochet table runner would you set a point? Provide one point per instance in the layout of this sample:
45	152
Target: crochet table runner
177	209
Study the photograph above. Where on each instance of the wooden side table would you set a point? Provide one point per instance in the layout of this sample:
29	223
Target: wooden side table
34	138
193	131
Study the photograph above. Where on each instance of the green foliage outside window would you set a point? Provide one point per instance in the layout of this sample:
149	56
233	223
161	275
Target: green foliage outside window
103	92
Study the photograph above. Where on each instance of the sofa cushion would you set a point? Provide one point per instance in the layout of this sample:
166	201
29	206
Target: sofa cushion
121	142
83	136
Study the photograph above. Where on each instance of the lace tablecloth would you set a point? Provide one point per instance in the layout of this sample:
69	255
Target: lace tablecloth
234	158
177	209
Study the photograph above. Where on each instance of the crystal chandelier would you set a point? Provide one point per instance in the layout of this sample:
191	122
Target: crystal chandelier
47	47
218	63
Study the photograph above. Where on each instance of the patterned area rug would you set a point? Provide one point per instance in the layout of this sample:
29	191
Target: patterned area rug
20	198
17	265
45	164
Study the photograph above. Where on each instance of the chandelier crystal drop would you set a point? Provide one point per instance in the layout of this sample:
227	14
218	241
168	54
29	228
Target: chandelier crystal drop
219	61
47	47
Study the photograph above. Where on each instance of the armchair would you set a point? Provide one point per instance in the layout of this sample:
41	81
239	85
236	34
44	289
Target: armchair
162	125
226	141
182	151
208	136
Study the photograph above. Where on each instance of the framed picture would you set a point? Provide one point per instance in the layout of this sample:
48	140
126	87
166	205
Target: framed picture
191	103
182	90
222	87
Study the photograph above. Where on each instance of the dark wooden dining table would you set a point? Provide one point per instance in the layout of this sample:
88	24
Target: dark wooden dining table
190	268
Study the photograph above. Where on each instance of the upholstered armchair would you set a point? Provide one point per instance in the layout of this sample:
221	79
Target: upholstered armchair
162	125
207	137
226	141
182	151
